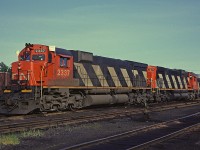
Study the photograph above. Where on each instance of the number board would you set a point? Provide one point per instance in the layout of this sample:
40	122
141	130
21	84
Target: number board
63	73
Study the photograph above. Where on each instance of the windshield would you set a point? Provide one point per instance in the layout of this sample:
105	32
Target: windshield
25	56
40	57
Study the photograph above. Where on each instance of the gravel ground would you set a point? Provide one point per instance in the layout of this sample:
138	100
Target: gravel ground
58	138
189	141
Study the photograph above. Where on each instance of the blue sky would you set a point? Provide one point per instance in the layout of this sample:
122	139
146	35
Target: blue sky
158	32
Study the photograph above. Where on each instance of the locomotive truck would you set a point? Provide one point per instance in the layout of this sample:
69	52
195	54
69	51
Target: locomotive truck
47	78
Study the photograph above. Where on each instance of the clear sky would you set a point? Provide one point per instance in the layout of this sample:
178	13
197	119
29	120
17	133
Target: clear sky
158	32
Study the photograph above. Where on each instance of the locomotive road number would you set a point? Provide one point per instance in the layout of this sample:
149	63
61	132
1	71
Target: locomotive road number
63	72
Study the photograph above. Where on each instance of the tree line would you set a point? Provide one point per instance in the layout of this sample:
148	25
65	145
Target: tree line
4	67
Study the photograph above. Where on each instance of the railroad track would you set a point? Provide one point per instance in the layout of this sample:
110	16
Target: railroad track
60	120
143	137
151	107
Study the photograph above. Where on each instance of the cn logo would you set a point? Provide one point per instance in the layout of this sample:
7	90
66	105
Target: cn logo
21	76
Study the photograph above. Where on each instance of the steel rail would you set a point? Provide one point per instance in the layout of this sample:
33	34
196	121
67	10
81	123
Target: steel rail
58	121
90	144
165	137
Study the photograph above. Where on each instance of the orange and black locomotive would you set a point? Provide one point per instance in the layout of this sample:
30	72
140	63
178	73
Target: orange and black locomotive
48	78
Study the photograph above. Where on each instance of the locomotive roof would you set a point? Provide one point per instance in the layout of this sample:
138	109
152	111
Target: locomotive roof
61	51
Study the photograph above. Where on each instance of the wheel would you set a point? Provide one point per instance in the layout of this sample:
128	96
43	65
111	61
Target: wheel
72	108
55	107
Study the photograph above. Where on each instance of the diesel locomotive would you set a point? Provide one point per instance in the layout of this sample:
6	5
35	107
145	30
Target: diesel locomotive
47	78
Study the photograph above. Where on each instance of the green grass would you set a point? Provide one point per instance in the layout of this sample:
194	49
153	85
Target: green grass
31	133
9	139
14	139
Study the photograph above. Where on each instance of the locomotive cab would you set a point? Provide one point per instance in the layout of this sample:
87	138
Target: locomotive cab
25	71
38	69
39	65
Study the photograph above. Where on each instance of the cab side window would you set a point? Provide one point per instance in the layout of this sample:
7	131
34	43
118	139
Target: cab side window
49	58
63	62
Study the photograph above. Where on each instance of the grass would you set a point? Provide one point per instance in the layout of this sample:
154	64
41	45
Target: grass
9	139
14	139
31	133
